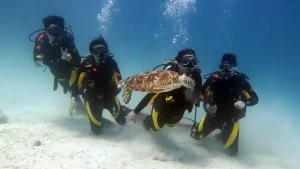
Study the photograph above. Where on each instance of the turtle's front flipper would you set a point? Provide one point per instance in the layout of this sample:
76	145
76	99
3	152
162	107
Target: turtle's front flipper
126	95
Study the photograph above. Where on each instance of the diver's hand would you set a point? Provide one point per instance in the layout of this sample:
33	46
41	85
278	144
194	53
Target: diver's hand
37	64
239	104
131	116
211	109
65	55
72	106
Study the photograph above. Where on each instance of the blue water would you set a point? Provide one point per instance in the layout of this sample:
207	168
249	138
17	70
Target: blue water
265	35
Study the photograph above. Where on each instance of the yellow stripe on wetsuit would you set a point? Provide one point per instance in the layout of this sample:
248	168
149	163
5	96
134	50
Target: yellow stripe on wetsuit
153	97
235	128
94	120
116	79
154	115
172	125
233	135
200	127
118	106
80	81
73	77
246	94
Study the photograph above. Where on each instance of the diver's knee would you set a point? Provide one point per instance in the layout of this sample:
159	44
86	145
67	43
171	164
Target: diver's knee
154	129
199	135
96	127
147	122
231	152
96	130
121	121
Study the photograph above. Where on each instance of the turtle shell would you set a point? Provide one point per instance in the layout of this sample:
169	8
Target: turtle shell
151	81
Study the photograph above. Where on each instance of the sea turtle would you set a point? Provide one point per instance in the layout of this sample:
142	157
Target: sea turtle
156	81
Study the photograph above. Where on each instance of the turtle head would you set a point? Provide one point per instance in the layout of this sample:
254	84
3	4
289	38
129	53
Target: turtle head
120	84
186	81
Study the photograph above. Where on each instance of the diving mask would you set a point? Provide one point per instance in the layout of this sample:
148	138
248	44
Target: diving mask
98	50
189	61
227	70
227	67
56	31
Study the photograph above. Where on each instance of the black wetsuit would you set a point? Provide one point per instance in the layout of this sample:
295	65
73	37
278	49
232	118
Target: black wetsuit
63	71
224	93
169	107
98	85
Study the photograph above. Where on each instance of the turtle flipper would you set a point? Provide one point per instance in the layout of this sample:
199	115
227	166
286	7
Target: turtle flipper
126	95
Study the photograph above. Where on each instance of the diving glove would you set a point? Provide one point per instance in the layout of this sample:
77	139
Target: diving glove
211	109
65	55
239	105
72	106
131	116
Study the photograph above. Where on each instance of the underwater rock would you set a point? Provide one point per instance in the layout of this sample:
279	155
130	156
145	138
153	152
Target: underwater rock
3	118
37	143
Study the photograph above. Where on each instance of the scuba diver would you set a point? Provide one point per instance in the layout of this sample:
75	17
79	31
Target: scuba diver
226	95
99	76
55	48
169	107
